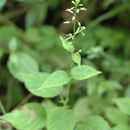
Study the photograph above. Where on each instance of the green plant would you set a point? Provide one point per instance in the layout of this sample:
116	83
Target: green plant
62	91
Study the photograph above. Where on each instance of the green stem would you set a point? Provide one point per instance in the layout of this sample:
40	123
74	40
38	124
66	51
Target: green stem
66	100
2	108
68	94
74	25
74	35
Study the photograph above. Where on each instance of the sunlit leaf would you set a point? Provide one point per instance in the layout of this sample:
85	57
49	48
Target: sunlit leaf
34	81
56	79
61	119
21	63
83	72
31	116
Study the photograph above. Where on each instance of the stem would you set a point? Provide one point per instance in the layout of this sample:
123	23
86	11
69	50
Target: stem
65	100
74	35
26	99
67	95
74	25
2	108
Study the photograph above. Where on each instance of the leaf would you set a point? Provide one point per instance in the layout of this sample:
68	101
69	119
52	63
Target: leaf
76	57
43	38
115	116
67	45
124	105
61	119
122	127
49	106
82	109
21	63
8	32
2	3
31	116
56	79
93	123
108	85
83	72
36	14
33	82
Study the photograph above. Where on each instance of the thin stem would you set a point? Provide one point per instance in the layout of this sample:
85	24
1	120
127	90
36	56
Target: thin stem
65	100
68	94
74	35
74	25
2	108
26	99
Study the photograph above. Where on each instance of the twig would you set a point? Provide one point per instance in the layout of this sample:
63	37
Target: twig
26	99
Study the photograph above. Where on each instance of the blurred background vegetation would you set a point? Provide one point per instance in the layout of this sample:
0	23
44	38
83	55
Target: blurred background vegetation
34	27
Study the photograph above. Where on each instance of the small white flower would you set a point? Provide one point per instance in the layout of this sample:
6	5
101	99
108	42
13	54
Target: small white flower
83	9
70	11
66	22
73	2
83	27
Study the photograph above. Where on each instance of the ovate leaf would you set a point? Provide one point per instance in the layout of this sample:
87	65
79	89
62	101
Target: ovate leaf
61	119
34	81
21	63
56	79
93	123
31	116
124	105
83	72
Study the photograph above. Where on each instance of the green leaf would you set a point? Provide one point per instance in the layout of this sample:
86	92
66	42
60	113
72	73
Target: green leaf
82	109
36	14
31	116
49	106
43	38
56	79
93	123
122	127
83	72
8	32
2	3
21	63
67	45
34	81
76	57
124	105
115	116
61	119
